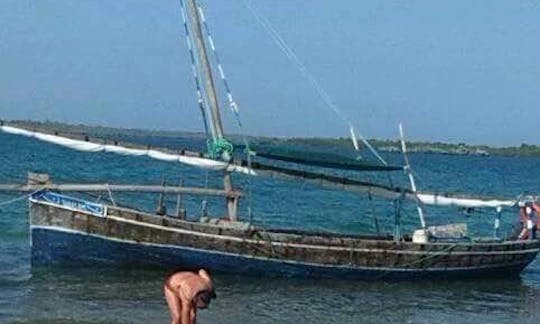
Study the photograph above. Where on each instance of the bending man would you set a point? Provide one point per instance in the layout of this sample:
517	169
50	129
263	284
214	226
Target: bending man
186	292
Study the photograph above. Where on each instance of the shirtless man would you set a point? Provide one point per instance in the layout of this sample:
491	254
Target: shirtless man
185	292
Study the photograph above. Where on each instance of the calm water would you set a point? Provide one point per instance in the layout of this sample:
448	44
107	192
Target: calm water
105	295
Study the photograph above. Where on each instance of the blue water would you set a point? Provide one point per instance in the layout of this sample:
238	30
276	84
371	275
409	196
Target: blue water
105	295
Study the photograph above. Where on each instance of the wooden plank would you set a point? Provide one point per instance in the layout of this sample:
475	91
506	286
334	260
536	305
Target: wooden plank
120	188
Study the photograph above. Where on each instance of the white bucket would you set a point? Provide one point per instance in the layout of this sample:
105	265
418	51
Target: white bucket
420	236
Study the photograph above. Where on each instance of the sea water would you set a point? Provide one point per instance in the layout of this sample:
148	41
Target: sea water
122	295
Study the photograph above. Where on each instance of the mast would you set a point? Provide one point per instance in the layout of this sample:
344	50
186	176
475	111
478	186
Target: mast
210	91
206	70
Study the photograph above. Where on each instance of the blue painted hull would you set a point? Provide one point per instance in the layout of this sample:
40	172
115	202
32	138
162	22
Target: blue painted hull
50	246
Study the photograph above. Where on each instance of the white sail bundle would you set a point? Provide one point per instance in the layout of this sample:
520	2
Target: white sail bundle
69	143
86	146
125	150
440	200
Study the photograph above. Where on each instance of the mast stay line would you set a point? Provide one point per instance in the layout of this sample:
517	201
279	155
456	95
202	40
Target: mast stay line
301	67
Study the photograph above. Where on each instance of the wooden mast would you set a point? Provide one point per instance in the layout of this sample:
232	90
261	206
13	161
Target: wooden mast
210	91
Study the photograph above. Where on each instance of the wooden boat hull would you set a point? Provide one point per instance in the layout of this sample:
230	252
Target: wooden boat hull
62	235
53	246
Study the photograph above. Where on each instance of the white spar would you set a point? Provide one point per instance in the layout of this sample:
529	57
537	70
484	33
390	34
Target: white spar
438	200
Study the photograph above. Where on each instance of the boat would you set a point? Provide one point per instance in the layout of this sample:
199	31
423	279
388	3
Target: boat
66	230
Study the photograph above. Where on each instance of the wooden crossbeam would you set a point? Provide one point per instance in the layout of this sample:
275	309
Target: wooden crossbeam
119	188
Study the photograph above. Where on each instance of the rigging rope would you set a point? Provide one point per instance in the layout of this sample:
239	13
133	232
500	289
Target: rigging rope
204	202
14	200
220	148
232	103
325	97
111	195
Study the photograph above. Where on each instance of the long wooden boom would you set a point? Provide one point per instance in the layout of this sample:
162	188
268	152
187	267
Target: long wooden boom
118	188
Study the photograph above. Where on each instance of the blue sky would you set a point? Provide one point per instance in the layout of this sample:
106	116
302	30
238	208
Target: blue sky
449	70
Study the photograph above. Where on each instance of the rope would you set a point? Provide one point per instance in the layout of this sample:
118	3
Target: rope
105	199
14	200
325	97
397	219
220	148
367	144
204	202
268	238
232	103
375	218
110	195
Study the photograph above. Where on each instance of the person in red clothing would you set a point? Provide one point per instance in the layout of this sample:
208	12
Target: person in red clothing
187	291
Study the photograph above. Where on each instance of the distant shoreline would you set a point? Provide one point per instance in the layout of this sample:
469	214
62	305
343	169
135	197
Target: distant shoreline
525	150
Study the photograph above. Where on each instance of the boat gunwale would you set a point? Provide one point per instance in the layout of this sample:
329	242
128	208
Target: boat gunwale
359	237
516	247
338	248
